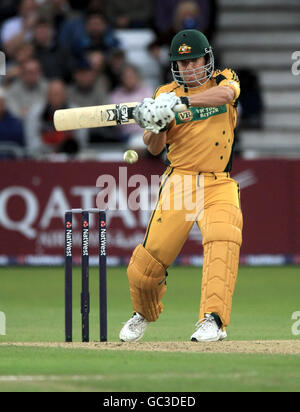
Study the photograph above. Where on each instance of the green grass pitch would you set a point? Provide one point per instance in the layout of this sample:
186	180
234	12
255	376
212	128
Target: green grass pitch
33	302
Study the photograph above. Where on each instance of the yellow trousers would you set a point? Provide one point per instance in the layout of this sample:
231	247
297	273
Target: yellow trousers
212	201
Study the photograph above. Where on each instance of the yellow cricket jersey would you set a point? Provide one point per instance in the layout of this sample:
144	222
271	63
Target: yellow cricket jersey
201	138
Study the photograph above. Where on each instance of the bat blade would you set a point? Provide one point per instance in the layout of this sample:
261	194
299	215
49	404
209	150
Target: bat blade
98	116
94	116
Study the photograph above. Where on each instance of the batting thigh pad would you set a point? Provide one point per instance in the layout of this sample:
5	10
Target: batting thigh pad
147	283
221	229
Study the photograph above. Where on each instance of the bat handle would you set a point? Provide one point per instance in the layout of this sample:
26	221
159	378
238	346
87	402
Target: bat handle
180	108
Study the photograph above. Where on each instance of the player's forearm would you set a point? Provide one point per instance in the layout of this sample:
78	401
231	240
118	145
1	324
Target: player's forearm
216	96
155	142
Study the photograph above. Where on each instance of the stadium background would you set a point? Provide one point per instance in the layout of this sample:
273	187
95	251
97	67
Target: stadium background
60	53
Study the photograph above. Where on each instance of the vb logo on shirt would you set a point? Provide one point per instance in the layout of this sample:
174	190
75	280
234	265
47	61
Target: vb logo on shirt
199	113
186	116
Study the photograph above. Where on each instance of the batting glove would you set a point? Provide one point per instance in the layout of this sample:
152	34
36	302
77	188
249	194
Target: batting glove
143	114
163	108
155	115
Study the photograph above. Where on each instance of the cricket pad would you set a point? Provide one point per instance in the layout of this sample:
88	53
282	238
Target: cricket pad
222	238
147	283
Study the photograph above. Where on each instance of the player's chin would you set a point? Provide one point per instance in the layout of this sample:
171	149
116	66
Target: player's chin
191	83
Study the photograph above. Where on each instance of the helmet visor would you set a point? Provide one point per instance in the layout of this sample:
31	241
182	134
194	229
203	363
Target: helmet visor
197	76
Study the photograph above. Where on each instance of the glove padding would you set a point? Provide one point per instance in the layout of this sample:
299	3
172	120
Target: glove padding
142	114
155	115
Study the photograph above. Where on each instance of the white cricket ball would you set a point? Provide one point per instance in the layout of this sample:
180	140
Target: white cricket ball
131	156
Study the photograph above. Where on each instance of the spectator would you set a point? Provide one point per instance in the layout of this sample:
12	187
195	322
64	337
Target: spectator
129	14
172	16
41	137
58	11
18	29
54	61
87	90
11	128
116	62
84	34
132	89
24	52
28	90
97	61
98	35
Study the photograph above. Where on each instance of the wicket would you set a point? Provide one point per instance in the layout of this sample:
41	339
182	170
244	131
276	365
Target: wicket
85	294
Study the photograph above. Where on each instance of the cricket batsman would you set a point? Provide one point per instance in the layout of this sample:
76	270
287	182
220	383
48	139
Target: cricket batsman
199	144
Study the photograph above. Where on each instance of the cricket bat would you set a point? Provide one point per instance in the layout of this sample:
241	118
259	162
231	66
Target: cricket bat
98	116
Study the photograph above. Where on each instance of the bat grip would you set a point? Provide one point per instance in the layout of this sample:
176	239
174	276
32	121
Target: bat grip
180	108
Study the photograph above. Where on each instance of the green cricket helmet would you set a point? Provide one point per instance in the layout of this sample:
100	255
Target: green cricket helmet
191	44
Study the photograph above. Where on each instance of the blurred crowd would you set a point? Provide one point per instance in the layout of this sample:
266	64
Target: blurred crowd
69	53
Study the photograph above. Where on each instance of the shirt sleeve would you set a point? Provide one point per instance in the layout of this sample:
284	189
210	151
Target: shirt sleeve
229	78
157	92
